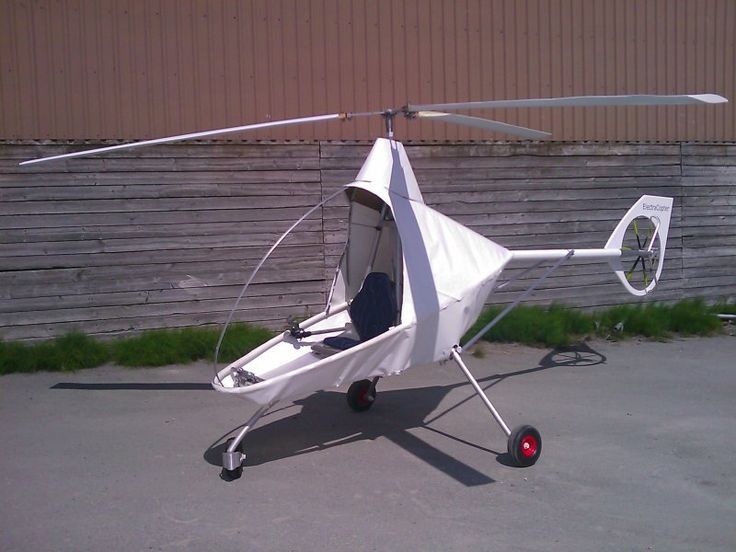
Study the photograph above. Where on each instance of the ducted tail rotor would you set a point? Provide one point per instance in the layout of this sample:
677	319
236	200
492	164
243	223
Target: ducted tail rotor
641	236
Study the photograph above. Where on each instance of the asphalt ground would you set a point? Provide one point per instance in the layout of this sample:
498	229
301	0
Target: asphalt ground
639	450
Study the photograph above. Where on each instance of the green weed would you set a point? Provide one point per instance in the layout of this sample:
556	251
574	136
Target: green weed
689	317
76	351
162	347
723	308
552	327
557	326
73	351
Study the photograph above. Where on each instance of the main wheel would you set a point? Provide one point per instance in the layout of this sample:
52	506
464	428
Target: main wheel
361	395
525	445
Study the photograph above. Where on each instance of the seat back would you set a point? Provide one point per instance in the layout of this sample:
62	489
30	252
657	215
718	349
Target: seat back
373	310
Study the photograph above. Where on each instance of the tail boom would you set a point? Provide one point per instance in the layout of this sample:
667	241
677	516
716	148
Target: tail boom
554	254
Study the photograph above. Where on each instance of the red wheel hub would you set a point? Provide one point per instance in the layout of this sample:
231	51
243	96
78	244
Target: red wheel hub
364	398
528	446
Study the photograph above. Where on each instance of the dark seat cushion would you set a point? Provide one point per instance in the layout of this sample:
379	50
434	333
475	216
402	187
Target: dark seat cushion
341	343
373	309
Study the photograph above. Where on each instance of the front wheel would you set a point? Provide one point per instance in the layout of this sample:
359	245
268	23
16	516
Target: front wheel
525	445
361	395
231	475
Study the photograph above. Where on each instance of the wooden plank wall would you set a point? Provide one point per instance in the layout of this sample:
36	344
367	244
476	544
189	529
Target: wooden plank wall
165	237
709	220
161	239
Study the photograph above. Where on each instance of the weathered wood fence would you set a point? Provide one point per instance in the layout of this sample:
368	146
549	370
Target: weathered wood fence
165	237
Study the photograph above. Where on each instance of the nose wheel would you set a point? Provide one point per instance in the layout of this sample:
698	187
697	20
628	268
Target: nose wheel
233	458
232	467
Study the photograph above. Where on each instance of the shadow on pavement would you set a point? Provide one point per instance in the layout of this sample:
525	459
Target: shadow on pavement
325	421
135	386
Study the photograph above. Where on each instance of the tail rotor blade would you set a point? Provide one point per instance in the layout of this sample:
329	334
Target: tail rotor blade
483	124
579	101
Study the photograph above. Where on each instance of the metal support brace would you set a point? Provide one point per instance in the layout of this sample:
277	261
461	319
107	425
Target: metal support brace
376	240
520	276
496	416
523	296
232	458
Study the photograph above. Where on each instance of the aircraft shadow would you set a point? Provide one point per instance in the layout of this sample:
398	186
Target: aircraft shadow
325	421
134	386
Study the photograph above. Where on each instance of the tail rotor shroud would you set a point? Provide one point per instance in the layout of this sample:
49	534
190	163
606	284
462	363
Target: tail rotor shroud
641	235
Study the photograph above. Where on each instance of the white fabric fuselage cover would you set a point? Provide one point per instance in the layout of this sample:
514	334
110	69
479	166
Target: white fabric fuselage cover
447	269
443	271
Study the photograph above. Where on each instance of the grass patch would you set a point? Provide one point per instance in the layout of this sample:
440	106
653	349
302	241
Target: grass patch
554	326
689	317
724	309
163	347
631	320
76	351
240	339
66	353
557	326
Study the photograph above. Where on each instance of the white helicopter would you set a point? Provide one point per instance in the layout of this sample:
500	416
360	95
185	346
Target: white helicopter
412	281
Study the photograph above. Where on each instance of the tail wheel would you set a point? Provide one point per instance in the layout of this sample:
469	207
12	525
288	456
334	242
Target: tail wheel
361	395
641	246
525	445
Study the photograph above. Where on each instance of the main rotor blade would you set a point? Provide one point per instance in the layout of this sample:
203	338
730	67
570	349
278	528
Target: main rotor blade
580	101
194	135
484	124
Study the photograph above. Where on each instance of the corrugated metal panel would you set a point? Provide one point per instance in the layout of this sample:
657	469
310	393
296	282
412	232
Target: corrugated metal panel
86	69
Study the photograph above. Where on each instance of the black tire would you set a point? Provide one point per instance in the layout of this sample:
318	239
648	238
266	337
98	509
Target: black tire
361	395
525	446
231	475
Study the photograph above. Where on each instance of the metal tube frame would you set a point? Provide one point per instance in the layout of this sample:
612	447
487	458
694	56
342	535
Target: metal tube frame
457	350
253	275
344	256
523	296
489	405
376	240
519	276
233	458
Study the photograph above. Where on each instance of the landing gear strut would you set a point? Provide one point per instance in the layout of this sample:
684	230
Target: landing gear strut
524	442
233	458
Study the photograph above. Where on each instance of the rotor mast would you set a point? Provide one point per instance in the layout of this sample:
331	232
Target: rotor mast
388	118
